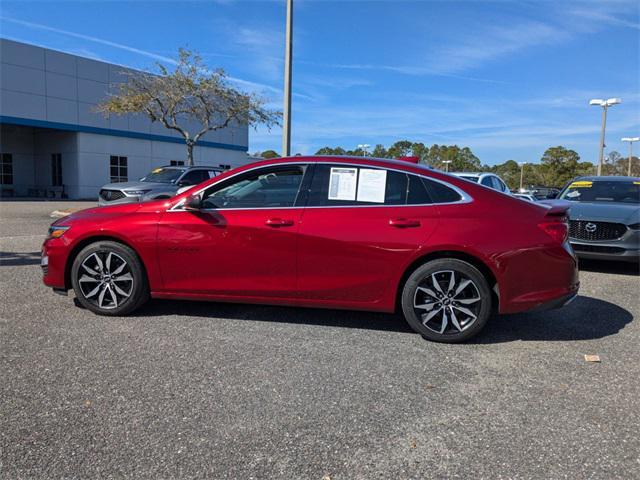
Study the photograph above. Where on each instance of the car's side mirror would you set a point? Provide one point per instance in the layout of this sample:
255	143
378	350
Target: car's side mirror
193	203
183	183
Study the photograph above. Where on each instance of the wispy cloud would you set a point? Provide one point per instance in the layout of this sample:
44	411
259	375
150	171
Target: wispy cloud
127	48
493	43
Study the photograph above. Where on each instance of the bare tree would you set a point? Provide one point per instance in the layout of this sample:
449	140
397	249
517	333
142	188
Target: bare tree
190	93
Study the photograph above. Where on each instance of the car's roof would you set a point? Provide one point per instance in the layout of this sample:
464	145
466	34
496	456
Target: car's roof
608	178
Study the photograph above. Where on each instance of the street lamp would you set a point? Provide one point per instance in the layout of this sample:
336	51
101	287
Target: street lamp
364	147
605	104
630	140
446	165
522	164
288	54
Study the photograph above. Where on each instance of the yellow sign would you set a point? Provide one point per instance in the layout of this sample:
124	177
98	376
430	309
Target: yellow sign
581	184
157	170
636	183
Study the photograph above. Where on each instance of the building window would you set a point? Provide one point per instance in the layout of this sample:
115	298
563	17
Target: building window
6	169
56	169
118	167
176	163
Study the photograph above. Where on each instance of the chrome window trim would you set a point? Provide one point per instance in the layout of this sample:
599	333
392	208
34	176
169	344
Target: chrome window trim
464	196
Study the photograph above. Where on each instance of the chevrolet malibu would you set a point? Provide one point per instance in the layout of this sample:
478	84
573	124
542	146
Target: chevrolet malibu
330	232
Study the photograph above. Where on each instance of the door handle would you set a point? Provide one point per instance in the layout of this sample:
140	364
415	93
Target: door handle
403	223
278	222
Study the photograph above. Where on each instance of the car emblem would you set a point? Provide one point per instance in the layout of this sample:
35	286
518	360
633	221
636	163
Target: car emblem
590	227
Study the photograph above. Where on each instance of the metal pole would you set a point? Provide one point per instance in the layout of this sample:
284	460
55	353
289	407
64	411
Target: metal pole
630	155
521	175
604	125
288	51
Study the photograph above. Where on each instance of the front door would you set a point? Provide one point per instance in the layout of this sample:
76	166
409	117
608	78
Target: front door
243	241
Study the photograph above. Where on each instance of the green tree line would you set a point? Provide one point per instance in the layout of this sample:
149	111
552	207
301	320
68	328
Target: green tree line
557	166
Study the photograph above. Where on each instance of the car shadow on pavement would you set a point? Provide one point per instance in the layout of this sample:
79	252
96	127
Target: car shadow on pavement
585	318
604	266
12	259
266	313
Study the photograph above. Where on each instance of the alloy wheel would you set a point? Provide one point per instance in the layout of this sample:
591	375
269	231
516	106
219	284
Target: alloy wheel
105	279
447	302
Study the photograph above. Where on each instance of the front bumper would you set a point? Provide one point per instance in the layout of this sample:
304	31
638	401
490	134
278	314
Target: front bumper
53	261
103	203
613	250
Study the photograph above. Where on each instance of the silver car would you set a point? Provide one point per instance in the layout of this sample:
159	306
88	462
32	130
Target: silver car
604	219
162	182
487	179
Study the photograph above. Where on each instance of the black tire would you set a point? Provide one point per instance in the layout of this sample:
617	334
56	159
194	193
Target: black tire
99	268
429	287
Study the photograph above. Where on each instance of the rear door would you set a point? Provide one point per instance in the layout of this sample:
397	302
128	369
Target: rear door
361	227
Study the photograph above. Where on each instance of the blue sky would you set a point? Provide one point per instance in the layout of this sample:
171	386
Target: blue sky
508	79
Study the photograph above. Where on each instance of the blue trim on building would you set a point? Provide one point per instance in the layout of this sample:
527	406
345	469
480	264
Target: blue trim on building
28	122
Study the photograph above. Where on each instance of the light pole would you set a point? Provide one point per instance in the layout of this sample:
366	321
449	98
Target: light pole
605	104
364	147
522	164
446	165
630	140
288	53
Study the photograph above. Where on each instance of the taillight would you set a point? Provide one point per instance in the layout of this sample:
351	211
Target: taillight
556	229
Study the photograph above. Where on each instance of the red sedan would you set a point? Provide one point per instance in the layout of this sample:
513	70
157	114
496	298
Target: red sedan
335	232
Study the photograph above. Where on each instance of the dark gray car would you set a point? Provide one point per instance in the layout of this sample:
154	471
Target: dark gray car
162	182
604	219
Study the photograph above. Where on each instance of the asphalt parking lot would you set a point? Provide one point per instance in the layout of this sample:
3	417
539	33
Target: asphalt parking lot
211	390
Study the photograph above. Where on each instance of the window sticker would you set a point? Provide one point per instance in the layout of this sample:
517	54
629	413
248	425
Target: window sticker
573	194
581	184
636	183
157	170
372	185
342	183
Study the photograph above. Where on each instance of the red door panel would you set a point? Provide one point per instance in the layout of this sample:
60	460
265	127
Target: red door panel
354	256
248	253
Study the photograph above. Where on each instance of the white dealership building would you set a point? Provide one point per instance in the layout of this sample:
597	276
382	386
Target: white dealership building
53	143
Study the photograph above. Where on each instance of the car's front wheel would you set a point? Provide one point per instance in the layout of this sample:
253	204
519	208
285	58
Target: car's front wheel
108	278
446	300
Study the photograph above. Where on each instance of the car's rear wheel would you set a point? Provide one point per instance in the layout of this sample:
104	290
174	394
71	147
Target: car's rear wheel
108	279
446	300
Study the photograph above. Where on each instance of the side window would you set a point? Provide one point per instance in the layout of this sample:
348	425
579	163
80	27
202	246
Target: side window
417	194
194	177
502	185
440	193
266	188
486	181
349	185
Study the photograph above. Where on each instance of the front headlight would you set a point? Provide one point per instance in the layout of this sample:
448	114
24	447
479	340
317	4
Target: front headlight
135	193
56	231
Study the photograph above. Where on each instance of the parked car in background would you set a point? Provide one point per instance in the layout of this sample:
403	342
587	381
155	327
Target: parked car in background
161	183
604	218
487	179
526	196
334	232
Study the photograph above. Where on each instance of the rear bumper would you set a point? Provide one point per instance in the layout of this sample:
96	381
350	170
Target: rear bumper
539	279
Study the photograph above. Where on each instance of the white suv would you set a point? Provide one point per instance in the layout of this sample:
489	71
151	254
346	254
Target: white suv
487	179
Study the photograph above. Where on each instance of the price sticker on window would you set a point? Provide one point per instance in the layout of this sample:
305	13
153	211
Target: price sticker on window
342	183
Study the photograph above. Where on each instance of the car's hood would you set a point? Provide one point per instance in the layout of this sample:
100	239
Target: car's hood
99	213
605	212
137	186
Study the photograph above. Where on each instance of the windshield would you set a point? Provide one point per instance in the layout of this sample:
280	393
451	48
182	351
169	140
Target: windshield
602	191
163	175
